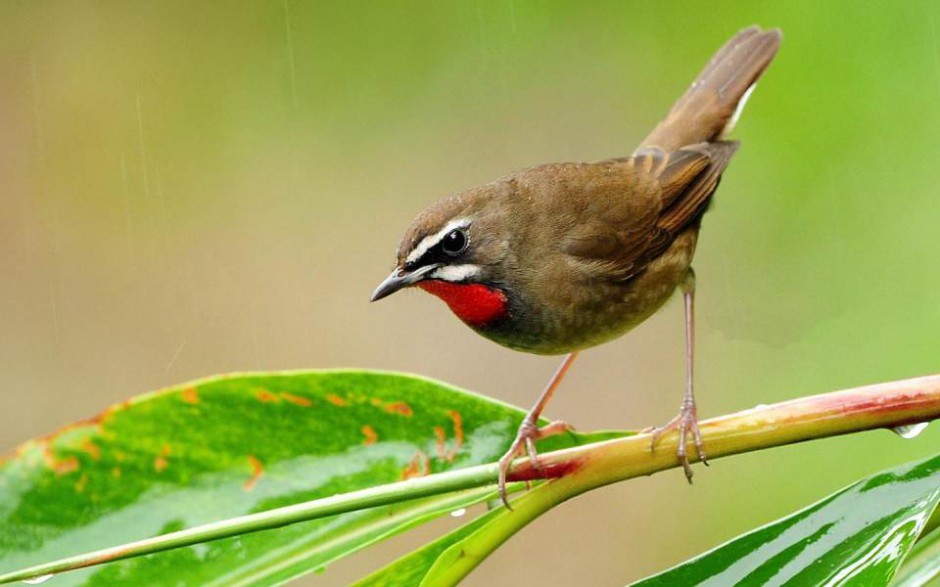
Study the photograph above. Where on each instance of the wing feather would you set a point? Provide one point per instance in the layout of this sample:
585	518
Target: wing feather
631	220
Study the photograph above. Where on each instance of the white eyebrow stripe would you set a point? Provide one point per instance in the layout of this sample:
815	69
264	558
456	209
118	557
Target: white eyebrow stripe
432	239
455	273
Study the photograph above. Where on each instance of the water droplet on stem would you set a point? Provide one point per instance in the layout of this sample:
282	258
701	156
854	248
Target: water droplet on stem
458	513
38	580
909	431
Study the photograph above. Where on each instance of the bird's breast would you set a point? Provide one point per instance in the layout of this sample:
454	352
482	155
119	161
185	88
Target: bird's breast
474	303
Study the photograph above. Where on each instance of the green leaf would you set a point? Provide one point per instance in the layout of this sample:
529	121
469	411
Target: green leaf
858	536
230	446
414	568
447	560
442	562
922	566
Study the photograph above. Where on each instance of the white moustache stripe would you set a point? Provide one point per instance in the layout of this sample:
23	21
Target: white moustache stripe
455	273
432	239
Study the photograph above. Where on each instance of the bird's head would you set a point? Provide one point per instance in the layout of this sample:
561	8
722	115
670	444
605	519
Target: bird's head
455	250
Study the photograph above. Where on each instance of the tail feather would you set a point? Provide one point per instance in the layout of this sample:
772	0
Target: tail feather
710	107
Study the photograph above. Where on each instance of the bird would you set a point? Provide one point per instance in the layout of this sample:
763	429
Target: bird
561	257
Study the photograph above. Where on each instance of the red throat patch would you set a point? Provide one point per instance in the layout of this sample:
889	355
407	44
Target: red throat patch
474	303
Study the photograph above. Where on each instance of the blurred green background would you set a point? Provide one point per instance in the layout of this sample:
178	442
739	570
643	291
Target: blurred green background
191	188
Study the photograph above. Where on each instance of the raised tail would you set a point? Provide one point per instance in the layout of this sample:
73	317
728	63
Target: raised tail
711	106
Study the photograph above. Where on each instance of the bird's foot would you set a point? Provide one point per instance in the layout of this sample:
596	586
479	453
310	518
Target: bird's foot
686	422
524	443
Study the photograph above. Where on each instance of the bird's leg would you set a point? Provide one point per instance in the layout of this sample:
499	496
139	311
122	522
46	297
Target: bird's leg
529	431
687	420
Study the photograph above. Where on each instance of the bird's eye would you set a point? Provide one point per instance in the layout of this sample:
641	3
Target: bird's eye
454	242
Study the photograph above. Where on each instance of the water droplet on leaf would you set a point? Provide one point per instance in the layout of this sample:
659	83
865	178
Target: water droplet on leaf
909	431
458	513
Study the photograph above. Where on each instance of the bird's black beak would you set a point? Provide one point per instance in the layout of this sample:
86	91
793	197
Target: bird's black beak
400	279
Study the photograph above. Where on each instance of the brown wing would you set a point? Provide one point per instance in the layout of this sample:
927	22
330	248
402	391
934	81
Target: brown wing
630	222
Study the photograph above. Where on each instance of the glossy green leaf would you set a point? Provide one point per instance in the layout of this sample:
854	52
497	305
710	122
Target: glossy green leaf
922	566
415	568
229	446
858	536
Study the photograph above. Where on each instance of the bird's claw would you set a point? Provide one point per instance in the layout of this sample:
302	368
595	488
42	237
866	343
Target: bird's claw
528	433
686	422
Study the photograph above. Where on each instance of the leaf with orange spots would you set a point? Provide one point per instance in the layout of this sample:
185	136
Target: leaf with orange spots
370	434
223	447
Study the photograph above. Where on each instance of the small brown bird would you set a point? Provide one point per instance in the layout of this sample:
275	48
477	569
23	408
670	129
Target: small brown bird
561	257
